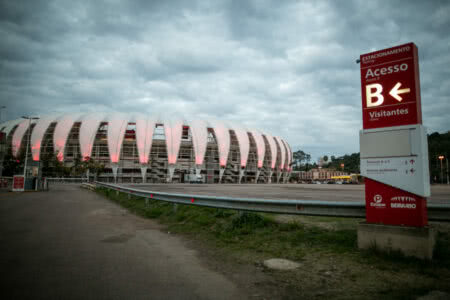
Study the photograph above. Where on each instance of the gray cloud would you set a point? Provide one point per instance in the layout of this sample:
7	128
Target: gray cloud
285	67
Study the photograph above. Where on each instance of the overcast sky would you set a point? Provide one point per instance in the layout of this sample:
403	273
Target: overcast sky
284	67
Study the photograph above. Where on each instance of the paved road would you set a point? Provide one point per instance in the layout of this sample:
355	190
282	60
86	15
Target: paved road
324	192
73	244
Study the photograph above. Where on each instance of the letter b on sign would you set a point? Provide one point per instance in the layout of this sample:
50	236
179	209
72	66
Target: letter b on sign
374	91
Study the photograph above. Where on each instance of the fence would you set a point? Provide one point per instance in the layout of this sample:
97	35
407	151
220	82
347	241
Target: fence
436	212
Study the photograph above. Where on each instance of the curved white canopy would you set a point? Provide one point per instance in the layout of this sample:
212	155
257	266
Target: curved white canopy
8	126
88	130
18	136
145	127
244	143
289	155
117	124
61	133
273	150
283	152
222	134
38	133
199	133
260	146
173	129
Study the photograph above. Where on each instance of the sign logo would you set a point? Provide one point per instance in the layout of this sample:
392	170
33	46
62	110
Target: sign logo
378	201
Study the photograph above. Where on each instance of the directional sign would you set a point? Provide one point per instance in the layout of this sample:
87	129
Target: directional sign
390	87
398	172
397	156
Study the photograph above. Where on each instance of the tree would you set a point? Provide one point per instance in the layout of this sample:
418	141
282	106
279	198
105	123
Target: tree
325	158
52	167
308	159
351	163
438	144
93	166
78	167
299	157
12	165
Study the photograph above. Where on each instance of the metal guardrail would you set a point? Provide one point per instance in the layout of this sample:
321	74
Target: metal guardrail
88	186
436	212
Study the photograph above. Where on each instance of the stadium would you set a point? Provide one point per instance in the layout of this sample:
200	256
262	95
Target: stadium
140	148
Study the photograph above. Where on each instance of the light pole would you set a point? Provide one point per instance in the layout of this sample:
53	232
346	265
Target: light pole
342	167
446	161
28	145
1	108
441	157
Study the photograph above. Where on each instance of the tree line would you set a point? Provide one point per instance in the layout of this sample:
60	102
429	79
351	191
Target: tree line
348	163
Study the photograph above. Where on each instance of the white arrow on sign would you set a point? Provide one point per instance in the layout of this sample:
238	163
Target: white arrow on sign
395	91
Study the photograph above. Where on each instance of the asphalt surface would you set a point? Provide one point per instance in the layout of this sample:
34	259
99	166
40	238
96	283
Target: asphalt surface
71	243
323	192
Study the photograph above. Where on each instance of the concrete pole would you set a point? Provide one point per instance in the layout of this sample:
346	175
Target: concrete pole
221	171
144	173
258	172
270	176
170	171
241	174
115	168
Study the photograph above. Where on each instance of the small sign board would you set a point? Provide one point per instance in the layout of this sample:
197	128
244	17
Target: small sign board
390	87
18	183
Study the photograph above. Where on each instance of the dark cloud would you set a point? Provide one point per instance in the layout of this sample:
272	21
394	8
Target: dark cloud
286	67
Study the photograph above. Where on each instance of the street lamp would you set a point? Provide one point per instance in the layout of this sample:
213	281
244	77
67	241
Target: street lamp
441	157
28	145
342	167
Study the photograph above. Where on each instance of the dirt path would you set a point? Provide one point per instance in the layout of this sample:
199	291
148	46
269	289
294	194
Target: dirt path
74	244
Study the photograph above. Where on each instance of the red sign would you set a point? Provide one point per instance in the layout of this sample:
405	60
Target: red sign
388	205
391	87
18	183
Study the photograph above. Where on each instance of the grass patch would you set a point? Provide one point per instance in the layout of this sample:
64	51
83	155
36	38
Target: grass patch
240	230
